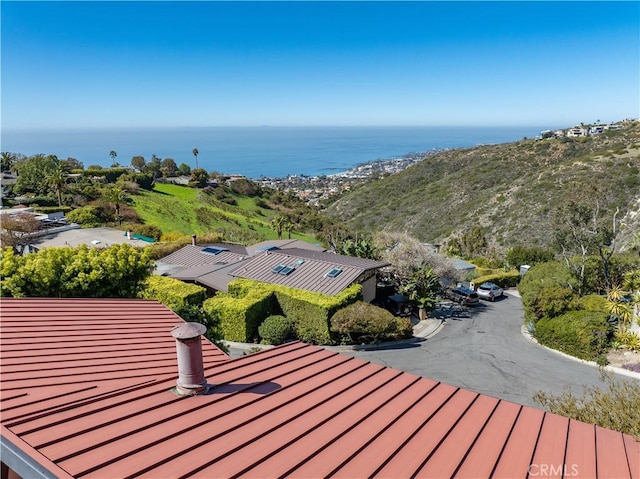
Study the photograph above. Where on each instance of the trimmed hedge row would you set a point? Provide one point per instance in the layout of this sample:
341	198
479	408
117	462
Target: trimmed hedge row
507	279
248	303
240	317
173	293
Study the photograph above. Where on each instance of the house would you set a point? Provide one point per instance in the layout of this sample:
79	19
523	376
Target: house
98	388
291	263
577	131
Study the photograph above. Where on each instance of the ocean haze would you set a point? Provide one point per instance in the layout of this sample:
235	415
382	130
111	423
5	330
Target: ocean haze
256	151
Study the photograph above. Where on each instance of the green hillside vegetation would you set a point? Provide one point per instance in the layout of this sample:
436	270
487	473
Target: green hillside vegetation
511	191
180	209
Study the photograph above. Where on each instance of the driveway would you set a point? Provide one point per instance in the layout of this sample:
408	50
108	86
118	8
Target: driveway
486	352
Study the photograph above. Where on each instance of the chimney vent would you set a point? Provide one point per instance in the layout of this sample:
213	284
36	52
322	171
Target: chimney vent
191	380
193	240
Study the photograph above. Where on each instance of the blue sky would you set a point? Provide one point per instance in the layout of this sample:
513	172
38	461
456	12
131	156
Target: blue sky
150	64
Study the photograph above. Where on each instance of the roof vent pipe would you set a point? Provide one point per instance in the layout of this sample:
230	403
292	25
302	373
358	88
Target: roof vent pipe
193	240
191	380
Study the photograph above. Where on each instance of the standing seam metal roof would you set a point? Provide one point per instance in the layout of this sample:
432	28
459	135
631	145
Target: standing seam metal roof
87	391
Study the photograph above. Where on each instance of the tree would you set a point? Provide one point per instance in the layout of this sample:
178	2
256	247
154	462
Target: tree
117	196
199	177
153	167
57	179
184	169
113	155
7	161
118	271
71	164
195	153
15	228
168	167
406	254
280	223
32	174
581	231
422	288
138	162
359	248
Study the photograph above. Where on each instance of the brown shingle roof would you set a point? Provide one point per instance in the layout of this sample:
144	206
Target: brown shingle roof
87	392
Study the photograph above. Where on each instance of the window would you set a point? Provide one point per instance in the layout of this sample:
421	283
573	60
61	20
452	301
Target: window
299	262
277	269
333	273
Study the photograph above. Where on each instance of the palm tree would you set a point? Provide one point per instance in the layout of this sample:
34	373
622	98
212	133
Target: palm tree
7	160
117	196
195	153
113	155
56	178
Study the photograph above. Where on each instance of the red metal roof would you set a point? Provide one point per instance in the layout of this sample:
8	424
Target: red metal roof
87	392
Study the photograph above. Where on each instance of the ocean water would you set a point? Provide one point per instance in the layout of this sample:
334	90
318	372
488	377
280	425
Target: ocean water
257	151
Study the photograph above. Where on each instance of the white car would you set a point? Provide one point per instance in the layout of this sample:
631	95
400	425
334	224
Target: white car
489	291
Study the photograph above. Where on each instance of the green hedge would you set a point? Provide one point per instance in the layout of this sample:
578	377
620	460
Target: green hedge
504	279
240	317
173	293
249	302
51	209
583	334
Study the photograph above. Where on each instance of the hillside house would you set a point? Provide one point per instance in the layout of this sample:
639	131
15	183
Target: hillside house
291	263
98	388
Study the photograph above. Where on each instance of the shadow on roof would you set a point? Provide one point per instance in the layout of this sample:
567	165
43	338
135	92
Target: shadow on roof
255	388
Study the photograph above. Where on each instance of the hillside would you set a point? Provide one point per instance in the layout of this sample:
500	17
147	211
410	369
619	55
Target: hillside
179	209
510	190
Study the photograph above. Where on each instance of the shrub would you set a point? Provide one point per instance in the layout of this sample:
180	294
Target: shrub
275	330
617	407
51	209
150	231
504	279
86	216
593	302
531	255
627	340
547	290
363	320
583	334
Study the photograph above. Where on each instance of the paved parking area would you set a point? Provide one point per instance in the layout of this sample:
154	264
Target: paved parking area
484	350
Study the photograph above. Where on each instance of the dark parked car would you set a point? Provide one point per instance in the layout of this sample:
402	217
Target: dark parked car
490	291
399	305
462	295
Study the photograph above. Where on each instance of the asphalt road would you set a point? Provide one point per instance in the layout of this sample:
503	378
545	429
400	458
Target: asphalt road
487	353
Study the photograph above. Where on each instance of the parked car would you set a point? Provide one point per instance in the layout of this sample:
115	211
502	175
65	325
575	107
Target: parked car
462	295
489	291
399	305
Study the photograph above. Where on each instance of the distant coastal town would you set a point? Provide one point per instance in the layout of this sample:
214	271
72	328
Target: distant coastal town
314	189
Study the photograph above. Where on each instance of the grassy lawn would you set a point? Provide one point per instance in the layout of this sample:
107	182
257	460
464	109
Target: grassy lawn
180	209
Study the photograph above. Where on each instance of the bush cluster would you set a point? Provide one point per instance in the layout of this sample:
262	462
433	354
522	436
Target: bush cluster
504	279
364	322
276	330
248	303
583	334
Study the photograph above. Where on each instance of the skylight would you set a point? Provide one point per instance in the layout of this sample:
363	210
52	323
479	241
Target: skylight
286	270
333	273
277	269
268	248
299	262
213	250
